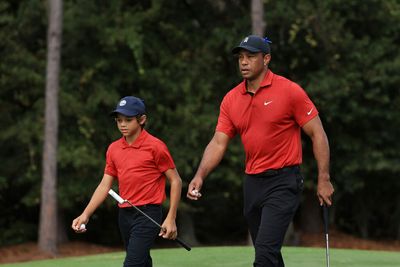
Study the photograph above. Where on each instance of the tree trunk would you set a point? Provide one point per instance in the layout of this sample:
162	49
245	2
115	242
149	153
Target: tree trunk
257	28
292	238
48	208
249	239
398	232
310	213
186	227
257	17
62	236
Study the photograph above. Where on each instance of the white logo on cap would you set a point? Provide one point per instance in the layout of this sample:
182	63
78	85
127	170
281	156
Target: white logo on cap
245	40
122	103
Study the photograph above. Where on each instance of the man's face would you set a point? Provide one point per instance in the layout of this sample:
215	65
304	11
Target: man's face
251	65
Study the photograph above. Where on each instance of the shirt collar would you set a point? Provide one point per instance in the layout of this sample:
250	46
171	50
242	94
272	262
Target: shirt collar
267	81
137	143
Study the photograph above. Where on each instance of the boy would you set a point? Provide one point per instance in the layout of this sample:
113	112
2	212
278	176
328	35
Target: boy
140	163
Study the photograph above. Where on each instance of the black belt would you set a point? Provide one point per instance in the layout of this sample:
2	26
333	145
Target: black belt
141	207
274	172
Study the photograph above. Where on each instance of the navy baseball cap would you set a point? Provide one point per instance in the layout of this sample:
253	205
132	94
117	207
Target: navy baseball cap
130	106
254	44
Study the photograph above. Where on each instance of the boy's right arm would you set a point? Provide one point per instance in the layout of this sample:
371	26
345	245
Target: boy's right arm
212	156
99	195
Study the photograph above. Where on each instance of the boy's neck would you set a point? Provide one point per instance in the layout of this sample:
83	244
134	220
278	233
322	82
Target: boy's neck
131	138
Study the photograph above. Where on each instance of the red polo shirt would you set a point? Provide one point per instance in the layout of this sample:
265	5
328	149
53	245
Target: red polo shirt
268	122
139	168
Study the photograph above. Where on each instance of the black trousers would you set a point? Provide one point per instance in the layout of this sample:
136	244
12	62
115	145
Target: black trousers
270	202
139	233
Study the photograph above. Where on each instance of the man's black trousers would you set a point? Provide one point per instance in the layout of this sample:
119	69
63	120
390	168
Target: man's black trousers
270	202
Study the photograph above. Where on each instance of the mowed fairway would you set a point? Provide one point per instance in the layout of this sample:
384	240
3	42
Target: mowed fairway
232	257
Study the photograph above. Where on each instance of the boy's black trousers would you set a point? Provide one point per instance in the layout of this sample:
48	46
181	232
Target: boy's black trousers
139	233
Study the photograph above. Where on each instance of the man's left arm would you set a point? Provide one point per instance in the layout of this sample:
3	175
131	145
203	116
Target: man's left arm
316	132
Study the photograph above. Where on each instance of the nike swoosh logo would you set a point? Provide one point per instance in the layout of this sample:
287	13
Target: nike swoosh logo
267	103
308	113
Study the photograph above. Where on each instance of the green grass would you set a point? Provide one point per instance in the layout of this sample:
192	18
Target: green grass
230	256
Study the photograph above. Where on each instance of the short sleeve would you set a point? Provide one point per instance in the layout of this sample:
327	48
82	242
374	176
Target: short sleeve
303	108
225	124
163	158
110	167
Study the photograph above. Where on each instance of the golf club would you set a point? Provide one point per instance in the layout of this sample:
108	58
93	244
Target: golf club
120	200
326	222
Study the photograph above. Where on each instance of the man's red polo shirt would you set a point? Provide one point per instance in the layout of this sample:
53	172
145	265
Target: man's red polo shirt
139	168
268	122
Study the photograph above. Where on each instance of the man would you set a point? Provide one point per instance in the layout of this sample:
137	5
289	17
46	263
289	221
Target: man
268	111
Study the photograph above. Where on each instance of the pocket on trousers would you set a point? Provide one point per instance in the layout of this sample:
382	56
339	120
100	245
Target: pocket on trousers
299	182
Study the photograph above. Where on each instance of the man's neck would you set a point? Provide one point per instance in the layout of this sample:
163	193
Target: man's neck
253	85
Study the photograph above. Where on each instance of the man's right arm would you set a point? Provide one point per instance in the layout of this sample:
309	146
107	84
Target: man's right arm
212	156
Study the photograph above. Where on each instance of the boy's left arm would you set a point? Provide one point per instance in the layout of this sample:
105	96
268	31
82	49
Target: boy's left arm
169	225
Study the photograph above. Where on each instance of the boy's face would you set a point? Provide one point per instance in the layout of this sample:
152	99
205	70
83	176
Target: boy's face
130	126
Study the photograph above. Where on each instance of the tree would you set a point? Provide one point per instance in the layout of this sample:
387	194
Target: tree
257	17
48	212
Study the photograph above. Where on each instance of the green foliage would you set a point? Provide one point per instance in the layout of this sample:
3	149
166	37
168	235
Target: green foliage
176	55
346	58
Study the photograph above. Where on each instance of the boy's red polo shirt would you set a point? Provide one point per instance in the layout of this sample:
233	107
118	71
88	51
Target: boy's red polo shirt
269	122
139	168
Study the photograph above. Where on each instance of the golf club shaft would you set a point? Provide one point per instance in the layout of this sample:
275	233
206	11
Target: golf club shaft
326	223
183	244
121	201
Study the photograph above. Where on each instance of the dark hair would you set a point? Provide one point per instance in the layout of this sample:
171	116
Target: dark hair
138	119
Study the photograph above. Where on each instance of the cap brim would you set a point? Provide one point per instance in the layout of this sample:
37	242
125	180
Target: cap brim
123	112
237	49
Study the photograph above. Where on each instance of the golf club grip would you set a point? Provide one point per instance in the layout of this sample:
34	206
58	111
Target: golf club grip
183	244
326	217
119	199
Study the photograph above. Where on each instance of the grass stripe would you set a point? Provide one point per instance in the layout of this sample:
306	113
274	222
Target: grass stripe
230	256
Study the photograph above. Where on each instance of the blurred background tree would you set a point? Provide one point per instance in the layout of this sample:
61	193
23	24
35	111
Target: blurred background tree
49	216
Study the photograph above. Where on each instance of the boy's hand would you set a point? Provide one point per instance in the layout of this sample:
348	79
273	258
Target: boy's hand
168	230
78	222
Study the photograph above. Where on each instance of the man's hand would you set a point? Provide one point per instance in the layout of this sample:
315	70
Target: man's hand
194	188
325	191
